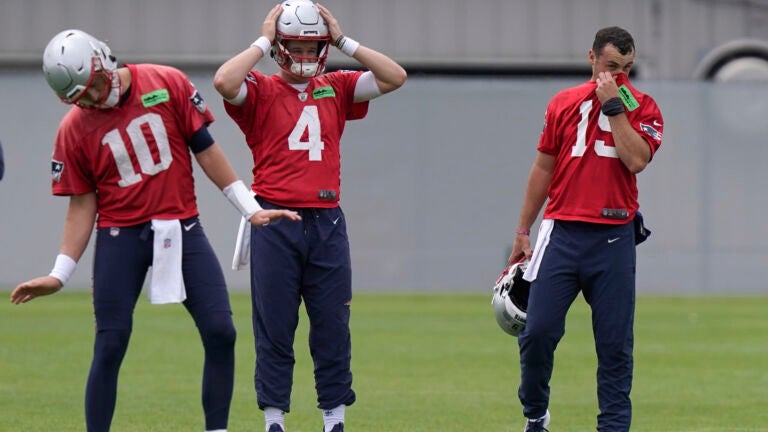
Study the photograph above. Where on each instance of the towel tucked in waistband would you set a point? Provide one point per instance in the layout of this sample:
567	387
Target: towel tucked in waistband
167	282
242	256
542	240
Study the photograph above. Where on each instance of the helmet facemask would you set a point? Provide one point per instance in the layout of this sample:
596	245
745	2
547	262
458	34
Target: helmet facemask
109	99
296	64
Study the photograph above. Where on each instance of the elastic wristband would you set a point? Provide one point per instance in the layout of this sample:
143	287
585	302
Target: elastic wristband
613	106
523	232
63	268
263	43
347	45
242	198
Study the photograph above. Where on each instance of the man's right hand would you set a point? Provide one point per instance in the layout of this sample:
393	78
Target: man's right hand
37	287
263	217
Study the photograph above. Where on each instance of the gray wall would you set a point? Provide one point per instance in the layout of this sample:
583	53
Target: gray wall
433	180
672	35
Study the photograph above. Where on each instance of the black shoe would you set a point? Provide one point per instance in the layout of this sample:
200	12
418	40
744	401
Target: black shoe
339	427
539	425
274	427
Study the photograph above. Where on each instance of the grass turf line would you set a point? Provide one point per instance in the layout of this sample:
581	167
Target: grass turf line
421	362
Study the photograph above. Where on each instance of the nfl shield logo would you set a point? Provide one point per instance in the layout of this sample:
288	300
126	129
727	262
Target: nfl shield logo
166	243
303	96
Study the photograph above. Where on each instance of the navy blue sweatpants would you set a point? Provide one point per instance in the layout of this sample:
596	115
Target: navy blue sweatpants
291	261
599	261
121	261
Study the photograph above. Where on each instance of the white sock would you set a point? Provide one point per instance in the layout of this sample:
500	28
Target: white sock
332	417
272	416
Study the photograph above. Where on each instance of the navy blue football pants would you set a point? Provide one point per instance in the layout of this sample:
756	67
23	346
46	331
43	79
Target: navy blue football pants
291	261
121	260
599	261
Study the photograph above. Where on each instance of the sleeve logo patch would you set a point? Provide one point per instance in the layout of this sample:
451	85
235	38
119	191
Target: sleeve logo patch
198	101
155	97
323	92
650	131
56	169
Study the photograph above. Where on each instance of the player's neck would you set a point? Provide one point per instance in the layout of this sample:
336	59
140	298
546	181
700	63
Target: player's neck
125	79
293	80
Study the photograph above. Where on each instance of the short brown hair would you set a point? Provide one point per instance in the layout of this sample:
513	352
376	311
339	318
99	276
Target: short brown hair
615	36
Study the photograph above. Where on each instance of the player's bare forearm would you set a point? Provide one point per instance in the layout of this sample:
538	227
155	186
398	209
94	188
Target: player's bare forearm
536	190
231	74
216	166
631	148
390	76
81	215
535	195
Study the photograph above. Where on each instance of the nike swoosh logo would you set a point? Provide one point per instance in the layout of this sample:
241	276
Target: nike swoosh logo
613	239
655	123
190	226
336	220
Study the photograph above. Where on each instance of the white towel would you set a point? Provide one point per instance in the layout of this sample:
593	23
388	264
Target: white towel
542	240
242	256
167	283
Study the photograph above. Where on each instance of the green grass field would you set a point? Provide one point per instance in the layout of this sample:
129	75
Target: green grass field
421	362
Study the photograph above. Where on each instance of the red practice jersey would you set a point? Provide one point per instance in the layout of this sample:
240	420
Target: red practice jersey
589	176
294	136
135	156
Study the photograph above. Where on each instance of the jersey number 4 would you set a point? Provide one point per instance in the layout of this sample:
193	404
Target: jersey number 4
309	121
147	164
581	134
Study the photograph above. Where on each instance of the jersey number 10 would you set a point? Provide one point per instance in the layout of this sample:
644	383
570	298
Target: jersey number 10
128	175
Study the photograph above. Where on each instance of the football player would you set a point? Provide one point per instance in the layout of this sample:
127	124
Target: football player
597	136
293	122
123	153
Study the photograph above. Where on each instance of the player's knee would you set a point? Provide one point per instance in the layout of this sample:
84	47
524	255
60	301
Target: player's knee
217	330
111	345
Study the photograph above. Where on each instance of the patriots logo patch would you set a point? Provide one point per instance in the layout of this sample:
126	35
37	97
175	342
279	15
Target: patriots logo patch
650	131
56	169
198	101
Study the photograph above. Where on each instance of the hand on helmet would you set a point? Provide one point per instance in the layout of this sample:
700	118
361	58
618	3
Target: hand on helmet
521	249
269	27
334	29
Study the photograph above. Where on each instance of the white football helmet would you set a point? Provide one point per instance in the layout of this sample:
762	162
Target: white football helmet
301	20
72	60
510	298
